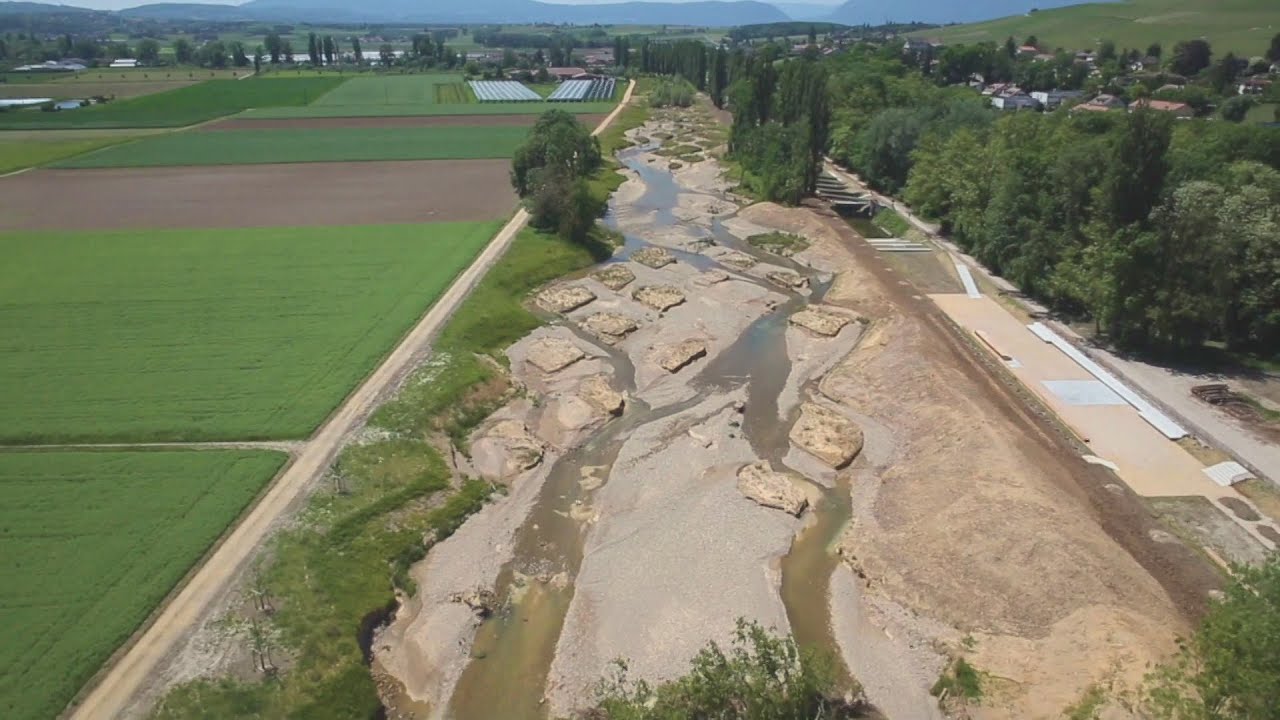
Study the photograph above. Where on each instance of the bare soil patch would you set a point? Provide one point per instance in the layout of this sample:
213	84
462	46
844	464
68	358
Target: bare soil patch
235	123
1198	518
307	194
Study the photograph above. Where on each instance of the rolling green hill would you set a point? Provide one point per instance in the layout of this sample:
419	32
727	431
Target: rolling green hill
1244	27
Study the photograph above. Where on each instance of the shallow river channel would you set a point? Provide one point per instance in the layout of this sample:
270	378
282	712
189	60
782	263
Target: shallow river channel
514	648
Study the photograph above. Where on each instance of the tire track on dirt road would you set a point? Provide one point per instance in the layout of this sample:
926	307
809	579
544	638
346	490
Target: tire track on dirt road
134	664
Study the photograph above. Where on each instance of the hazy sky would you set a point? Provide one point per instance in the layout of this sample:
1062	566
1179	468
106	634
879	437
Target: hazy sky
118	4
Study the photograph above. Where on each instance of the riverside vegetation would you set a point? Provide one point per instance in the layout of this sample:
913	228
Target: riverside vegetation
336	572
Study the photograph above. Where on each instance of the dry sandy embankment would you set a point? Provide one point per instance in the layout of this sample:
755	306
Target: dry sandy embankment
976	522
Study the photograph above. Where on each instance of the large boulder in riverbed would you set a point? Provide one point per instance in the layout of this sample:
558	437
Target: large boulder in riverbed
553	354
610	327
674	357
597	391
659	297
820	322
773	489
787	279
564	298
615	277
737	260
654	257
505	450
827	435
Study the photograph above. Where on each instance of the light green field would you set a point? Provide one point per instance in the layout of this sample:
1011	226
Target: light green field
1244	27
19	154
524	108
247	147
129	336
387	90
175	108
90	543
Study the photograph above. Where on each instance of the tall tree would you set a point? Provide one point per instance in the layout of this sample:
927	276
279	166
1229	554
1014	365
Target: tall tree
1273	52
355	50
313	48
273	45
330	49
1137	167
238	56
1190	57
257	59
182	51
148	51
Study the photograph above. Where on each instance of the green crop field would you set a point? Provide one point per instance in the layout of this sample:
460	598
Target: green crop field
90	543
1244	27
479	108
183	106
388	90
240	147
130	336
18	154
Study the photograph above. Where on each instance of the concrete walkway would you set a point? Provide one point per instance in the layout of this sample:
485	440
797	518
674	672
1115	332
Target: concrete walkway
1145	460
1166	389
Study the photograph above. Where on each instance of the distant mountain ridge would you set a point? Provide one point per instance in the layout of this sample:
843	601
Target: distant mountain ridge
712	13
707	12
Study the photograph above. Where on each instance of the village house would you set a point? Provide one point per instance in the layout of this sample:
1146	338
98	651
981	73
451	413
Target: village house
1254	85
1101	103
1017	101
1053	99
1179	110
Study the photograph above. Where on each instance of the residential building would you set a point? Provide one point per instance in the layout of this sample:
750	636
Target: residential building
1177	109
1101	103
1255	85
1015	102
1053	99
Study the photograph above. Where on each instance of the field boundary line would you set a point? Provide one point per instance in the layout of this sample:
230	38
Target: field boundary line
134	664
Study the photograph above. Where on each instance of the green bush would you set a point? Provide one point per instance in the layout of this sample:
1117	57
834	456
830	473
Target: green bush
672	92
761	676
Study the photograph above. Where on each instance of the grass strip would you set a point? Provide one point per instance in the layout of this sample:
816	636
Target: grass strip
336	572
170	335
21	154
90	543
248	147
183	106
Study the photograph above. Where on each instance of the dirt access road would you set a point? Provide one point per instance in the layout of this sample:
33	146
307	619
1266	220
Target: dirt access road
134	666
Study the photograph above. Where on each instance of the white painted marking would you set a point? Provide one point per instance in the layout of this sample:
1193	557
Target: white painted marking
970	287
1146	411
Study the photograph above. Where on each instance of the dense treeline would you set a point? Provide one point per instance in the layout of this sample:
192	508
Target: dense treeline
1166	236
781	123
1165	233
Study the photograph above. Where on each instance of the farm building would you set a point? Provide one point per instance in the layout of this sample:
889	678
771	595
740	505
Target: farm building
123	63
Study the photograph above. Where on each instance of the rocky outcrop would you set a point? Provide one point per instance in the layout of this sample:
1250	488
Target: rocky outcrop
615	277
654	257
820	322
827	435
553	354
711	277
674	357
737	260
770	488
482	601
659	297
610	327
564	298
787	279
598	393
505	450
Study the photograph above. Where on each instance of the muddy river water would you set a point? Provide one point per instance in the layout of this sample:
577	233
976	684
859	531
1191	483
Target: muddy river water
514	648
